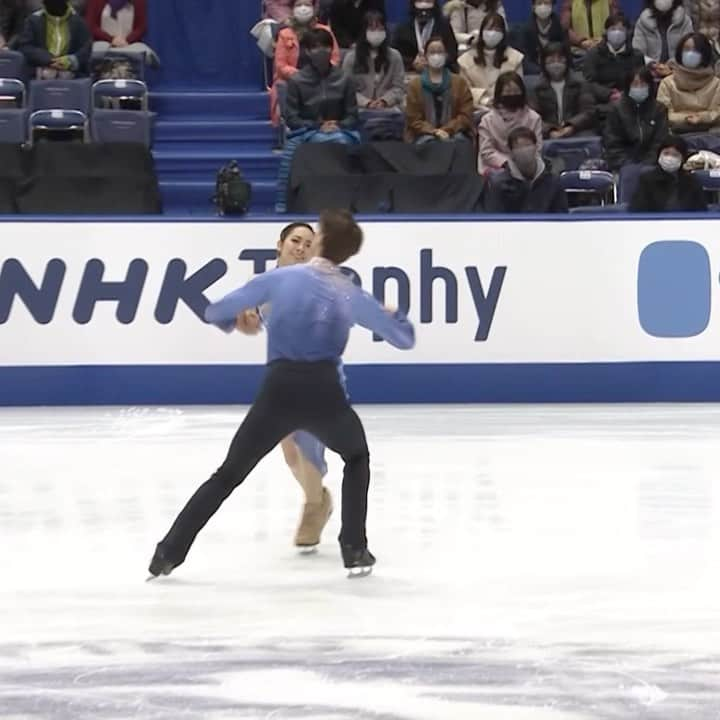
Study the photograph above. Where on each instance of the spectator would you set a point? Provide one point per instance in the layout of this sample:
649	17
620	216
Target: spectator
510	110
668	187
466	17
692	93
439	103
375	68
321	104
289	58
565	104
658	31
278	10
585	19
525	185
34	5
11	17
542	28
636	124
491	58
120	25
346	18
56	41
410	38
607	66
705	17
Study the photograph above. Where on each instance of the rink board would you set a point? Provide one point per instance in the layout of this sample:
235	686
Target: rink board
566	311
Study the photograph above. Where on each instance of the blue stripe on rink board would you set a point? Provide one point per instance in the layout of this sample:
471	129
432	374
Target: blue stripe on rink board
482	383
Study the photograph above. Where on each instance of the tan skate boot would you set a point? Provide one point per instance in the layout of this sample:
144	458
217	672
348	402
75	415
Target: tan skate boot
313	521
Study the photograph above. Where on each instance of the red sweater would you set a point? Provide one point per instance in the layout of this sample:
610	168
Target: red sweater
93	17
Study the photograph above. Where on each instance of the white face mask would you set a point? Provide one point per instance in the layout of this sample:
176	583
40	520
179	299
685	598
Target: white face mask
669	162
376	38
492	38
543	11
303	13
437	60
663	5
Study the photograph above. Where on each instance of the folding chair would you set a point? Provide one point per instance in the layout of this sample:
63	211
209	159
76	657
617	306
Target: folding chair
595	183
60	95
13	126
12	65
66	125
120	94
12	93
570	153
710	181
133	126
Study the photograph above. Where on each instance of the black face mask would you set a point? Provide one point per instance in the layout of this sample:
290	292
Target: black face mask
56	7
320	59
512	102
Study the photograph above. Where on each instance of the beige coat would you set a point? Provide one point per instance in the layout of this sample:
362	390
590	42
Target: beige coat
691	92
482	78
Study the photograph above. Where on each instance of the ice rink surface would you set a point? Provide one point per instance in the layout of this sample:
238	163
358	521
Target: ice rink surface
534	563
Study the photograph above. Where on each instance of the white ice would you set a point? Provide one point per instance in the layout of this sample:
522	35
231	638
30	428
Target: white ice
534	563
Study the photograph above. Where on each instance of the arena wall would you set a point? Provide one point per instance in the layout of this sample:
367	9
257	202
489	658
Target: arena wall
614	310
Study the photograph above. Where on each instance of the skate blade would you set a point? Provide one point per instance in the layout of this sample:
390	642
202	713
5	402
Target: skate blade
308	549
359	572
150	578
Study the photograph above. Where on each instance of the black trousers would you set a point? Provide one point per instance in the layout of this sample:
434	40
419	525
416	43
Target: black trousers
294	396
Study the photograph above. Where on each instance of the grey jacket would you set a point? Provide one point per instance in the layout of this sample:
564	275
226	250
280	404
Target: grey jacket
647	37
390	86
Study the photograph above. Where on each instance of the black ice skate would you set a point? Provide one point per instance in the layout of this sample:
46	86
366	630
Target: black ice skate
160	565
358	561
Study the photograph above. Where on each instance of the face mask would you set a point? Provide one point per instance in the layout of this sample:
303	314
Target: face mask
670	163
556	70
437	60
376	38
662	6
303	13
511	102
320	59
691	58
526	159
639	94
543	11
616	38
56	7
492	38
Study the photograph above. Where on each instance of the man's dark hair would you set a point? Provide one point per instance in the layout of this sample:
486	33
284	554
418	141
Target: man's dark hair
316	38
342	236
617	19
676	142
521	133
287	230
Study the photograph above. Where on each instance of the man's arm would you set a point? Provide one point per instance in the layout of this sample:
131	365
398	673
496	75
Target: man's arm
393	327
223	313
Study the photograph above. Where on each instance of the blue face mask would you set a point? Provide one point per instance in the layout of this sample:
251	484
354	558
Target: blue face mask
639	94
691	58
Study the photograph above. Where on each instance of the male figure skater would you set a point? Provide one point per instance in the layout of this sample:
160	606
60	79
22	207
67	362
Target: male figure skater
313	308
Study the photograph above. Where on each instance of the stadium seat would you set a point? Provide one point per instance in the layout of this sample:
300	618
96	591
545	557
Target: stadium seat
58	125
13	126
120	93
12	93
570	153
710	181
60	95
12	65
121	126
596	183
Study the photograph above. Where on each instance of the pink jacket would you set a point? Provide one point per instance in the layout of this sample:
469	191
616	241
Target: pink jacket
279	10
287	55
493	133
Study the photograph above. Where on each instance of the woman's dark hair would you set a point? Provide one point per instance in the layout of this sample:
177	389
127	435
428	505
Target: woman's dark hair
521	133
650	5
316	38
489	21
617	19
645	75
505	79
288	229
702	45
433	39
362	46
674	141
556	48
342	236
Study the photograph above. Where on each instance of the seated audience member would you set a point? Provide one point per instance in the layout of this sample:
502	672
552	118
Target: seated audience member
510	110
585	20
542	28
278	10
56	41
119	25
658	31
34	5
12	15
491	58
705	18
377	73
565	104
607	66
636	124
289	57
667	187
346	18
411	37
439	103
525	185
466	17
692	93
321	105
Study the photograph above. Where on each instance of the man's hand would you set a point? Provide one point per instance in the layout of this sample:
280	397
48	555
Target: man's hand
248	322
329	126
442	134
